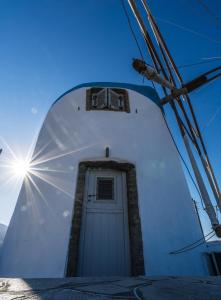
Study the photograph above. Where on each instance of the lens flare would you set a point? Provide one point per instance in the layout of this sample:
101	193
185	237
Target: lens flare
21	168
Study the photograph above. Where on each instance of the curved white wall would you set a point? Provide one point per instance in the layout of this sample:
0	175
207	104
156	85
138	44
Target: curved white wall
36	244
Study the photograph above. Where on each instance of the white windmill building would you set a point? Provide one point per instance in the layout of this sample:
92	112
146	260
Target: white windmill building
106	194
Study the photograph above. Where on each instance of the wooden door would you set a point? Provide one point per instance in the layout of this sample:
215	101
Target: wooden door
104	241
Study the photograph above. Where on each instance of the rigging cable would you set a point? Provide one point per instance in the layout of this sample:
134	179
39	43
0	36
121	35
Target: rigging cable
194	245
212	118
210	12
206	61
168	59
189	30
185	164
131	28
205	161
202	240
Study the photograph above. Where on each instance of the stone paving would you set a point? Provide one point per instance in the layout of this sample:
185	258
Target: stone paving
141	288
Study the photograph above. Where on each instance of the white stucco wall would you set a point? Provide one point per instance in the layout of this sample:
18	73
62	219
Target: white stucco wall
36	244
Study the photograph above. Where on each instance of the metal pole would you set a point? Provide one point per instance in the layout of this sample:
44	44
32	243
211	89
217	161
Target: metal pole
168	59
207	165
150	46
205	196
212	184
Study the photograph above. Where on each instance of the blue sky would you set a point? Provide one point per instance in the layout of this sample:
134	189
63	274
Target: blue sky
49	46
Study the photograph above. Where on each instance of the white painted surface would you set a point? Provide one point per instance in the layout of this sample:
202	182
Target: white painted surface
36	244
104	240
3	229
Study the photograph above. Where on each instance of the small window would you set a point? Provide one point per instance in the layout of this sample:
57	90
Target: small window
107	99
105	188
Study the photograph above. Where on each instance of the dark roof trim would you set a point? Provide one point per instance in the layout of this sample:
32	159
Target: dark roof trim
141	89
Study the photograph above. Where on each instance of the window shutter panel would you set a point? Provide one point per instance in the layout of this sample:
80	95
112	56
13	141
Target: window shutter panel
115	102
102	99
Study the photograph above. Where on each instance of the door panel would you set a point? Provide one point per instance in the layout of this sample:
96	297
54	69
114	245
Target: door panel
104	243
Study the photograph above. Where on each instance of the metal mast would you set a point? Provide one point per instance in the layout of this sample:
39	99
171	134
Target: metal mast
176	92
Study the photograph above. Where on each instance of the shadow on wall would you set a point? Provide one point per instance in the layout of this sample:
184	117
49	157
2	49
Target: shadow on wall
3	229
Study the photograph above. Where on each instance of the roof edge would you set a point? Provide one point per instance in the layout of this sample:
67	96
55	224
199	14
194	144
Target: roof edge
141	89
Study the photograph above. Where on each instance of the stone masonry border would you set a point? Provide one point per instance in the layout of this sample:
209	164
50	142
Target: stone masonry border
135	234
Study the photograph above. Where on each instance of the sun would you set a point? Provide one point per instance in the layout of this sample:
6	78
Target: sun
21	168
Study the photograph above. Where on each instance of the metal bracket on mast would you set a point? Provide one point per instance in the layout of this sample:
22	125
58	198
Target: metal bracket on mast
151	74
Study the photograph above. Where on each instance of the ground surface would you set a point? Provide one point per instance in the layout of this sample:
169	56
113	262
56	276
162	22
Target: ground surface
150	288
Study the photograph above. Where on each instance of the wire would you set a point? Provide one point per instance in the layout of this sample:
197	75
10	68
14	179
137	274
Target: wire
189	30
195	245
90	293
184	162
131	29
190	128
212	118
154	87
210	12
164	48
135	291
197	63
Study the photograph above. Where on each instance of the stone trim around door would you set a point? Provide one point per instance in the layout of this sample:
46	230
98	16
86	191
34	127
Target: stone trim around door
135	233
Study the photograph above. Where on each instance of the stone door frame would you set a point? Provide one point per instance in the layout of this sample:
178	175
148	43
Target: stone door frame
135	233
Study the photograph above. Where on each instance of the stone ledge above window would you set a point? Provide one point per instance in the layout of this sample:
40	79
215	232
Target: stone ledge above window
110	99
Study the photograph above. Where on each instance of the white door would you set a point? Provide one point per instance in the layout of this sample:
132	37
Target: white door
104	242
